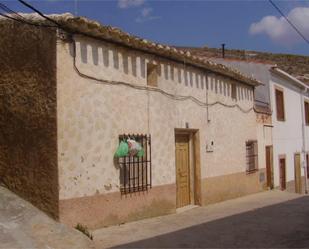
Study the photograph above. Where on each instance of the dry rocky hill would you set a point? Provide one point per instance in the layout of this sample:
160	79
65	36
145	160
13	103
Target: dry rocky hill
296	65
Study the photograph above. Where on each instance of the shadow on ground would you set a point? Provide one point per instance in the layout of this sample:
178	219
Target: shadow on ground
284	225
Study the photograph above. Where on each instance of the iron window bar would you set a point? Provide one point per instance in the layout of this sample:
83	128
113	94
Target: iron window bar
251	156
135	172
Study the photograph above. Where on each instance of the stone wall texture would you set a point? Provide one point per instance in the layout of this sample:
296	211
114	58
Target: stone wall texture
28	131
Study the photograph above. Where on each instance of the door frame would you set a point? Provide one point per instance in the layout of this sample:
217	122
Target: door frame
282	157
195	163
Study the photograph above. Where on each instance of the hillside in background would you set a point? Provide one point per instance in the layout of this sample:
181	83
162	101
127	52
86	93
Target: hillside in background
296	65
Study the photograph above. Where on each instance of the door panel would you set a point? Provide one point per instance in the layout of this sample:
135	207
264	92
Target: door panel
182	170
297	173
282	173
269	167
307	163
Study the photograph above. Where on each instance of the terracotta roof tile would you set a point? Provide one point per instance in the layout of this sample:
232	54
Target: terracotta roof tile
86	26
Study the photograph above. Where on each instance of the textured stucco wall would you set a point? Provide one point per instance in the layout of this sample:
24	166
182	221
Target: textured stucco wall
264	132
28	137
92	114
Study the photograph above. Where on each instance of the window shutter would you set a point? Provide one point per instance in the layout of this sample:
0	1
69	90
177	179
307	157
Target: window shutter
307	113
279	105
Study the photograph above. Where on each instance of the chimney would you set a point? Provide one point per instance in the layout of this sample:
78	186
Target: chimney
223	50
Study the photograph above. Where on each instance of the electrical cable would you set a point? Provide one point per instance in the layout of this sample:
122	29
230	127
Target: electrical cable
145	88
17	17
40	13
287	19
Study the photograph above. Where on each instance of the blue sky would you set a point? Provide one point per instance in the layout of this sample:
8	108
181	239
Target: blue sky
251	25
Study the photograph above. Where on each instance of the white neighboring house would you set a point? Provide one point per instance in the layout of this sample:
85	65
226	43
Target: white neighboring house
287	99
290	119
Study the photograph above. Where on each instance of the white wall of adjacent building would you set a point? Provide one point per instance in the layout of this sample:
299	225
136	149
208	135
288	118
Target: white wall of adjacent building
287	134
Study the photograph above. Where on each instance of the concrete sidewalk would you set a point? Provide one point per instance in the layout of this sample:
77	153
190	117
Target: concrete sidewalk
24	226
267	219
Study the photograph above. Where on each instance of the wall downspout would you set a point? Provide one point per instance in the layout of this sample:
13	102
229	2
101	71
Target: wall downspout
304	139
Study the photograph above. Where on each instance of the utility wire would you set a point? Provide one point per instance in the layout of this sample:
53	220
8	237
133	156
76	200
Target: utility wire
287	19
11	14
40	13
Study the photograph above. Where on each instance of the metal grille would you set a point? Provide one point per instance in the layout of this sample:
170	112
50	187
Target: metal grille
252	156
135	172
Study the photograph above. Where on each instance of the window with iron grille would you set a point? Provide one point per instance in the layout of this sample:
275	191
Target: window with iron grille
252	156
135	172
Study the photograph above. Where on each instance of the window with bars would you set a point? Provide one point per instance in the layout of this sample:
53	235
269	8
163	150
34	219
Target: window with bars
252	156
135	172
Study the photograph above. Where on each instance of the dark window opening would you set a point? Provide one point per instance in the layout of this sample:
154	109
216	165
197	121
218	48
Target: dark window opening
152	74
135	172
306	112
280	105
252	156
234	92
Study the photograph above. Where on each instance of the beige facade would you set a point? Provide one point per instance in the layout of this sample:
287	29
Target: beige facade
96	90
92	114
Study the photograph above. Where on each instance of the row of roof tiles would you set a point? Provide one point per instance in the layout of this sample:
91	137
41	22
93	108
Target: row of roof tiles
85	26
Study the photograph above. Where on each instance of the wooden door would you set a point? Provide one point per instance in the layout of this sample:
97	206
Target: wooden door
307	163
297	173
269	167
282	173
182	170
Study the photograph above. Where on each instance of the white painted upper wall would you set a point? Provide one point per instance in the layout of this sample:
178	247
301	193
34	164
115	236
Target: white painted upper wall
112	62
287	134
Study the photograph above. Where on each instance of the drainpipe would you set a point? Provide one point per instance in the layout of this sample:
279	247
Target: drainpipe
304	139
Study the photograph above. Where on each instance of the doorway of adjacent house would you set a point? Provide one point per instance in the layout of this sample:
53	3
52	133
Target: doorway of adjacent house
269	167
187	167
282	172
297	173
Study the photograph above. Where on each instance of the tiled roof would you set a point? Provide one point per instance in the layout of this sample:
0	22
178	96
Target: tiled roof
82	25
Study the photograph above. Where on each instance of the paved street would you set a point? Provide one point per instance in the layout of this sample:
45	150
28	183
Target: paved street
271	219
